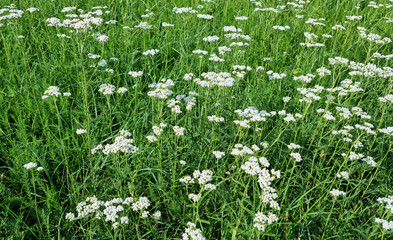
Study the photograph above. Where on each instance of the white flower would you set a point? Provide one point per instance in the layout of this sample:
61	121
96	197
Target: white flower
241	18
261	220
194	197
70	216
209	186
164	24
187	180
145	214
106	89
103	38
296	156
192	233
30	165
336	192
124	220
115	225
151	52
81	131
218	154
343	174
179	131
51	91
141	204
40	168
152	138
122	90
135	74
156	215
294	146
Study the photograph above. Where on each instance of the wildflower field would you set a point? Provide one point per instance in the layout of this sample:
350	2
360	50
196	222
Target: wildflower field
199	119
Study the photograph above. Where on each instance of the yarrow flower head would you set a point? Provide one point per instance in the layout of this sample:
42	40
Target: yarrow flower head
103	38
30	165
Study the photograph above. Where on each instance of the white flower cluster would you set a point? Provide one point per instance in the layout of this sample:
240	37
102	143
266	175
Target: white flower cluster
240	150
192	233
161	90
218	154
214	118
352	18
387	98
255	166
378	55
261	220
343	174
310	94
184	10
273	75
205	16
93	56
237	36
135	74
13	13
370	161
221	79
316	22
157	131
151	52
103	38
267	10
179	131
251	166
32	9
109	89
388	225
80	131
121	144
201	177
296	156
252	115
389	202
281	28
194	197
173	103
232	29
338	27
238	44
306	78
314	44
372	37
322	71
213	57
143	25
54	91
241	18
164	24
222	50
111	209
388	131
242	71
336	192
31	165
80	23
210	39
200	52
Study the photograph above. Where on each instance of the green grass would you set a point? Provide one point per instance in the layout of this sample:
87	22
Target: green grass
34	204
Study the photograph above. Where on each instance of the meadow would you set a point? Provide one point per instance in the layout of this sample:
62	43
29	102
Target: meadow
199	119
